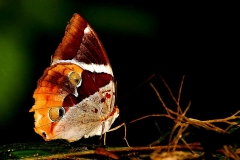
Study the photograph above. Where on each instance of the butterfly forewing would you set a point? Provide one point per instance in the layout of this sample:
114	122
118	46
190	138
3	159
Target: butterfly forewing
82	43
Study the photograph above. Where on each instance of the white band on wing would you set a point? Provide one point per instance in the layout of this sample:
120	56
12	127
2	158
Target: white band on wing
98	68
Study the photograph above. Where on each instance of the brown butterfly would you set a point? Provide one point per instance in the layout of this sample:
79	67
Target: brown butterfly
75	96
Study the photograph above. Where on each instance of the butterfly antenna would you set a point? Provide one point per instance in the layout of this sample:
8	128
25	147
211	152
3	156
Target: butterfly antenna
115	84
136	88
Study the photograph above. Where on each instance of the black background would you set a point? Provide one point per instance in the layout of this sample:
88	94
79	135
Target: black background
199	41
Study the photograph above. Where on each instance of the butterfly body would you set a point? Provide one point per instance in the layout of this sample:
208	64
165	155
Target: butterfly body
75	96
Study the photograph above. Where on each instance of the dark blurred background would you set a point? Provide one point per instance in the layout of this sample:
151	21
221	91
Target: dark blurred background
141	39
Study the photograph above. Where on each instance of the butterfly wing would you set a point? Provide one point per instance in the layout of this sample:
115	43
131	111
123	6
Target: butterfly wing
75	96
81	43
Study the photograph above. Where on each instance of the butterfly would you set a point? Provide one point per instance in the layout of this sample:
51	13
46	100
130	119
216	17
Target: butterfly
75	97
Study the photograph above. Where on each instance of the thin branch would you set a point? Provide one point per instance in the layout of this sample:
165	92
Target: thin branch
160	98
171	94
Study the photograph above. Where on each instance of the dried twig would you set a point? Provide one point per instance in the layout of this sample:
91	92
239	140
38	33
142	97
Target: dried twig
182	122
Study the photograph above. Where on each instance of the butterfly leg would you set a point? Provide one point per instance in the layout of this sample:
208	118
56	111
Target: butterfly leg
125	132
104	138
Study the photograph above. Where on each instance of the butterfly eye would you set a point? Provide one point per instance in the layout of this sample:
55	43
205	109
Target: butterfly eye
55	114
75	78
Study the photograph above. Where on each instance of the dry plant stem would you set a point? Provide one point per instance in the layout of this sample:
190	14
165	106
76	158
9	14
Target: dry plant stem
179	118
171	135
152	115
188	106
170	91
191	121
237	151
205	124
183	119
229	153
164	105
188	146
182	122
105	153
179	135
180	91
236	113
234	116
194	146
178	122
